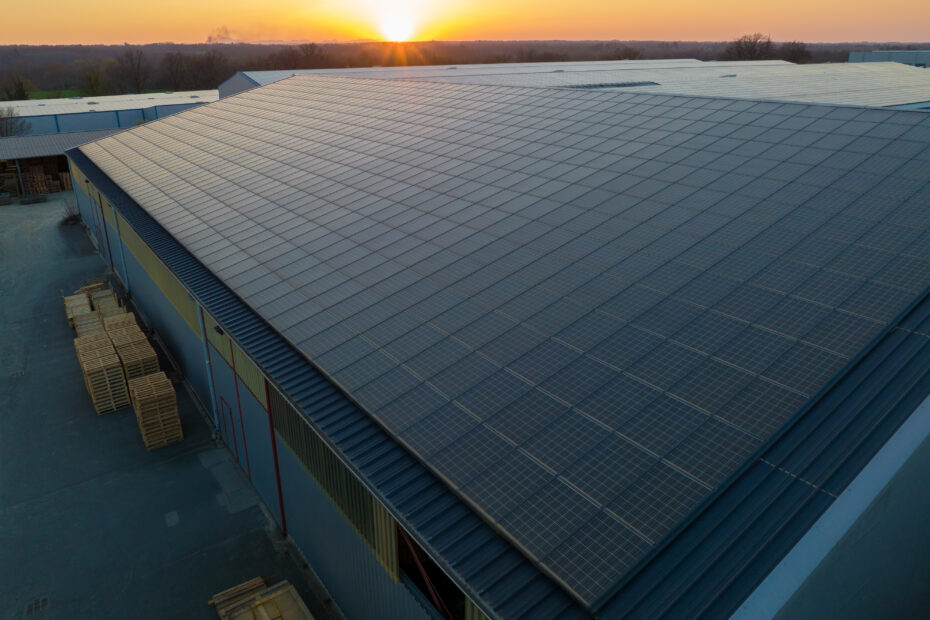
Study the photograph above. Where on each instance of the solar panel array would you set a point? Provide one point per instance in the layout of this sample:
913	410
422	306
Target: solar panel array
583	310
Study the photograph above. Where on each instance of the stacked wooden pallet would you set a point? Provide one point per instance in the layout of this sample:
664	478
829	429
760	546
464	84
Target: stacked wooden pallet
106	303
76	304
90	286
135	352
103	372
156	407
87	323
65	178
86	346
35	184
119	321
255	600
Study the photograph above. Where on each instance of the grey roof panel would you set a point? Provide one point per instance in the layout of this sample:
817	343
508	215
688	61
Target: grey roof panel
21	147
642	252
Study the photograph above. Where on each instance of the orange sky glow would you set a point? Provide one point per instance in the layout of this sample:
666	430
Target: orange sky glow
191	21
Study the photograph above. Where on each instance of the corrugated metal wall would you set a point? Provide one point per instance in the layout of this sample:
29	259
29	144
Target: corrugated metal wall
337	553
107	119
348	536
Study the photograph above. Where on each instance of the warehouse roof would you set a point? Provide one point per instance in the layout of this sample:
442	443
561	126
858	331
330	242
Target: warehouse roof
873	84
262	78
876	84
645	286
71	105
19	147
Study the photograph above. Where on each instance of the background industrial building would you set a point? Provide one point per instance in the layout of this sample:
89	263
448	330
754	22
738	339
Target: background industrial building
245	229
915	58
885	84
34	163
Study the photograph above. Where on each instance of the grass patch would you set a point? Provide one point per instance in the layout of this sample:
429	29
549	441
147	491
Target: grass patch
53	94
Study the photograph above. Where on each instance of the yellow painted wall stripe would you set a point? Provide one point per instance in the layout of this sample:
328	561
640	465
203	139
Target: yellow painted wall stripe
172	288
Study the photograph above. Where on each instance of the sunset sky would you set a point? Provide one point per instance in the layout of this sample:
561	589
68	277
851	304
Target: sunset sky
192	21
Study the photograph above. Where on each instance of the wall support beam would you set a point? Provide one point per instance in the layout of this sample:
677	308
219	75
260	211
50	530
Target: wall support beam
209	364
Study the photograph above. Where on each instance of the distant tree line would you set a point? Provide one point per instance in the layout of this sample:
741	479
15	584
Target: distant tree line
760	47
95	70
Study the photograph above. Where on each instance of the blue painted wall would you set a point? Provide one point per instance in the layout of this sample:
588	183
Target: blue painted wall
114	119
356	580
248	436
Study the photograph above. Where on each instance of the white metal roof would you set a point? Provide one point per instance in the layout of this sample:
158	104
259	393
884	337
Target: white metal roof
872	84
39	107
441	72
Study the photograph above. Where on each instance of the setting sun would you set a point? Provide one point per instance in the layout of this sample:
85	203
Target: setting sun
396	27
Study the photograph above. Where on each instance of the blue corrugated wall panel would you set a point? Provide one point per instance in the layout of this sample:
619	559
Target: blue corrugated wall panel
84	121
252	442
129	118
183	344
354	577
167	110
85	206
257	431
117	253
39	125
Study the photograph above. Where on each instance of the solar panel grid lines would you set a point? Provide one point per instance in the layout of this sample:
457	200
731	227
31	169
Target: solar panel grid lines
441	254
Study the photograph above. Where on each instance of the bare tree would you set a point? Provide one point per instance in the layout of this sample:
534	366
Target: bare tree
750	47
211	68
176	70
132	71
11	124
794	51
15	87
624	52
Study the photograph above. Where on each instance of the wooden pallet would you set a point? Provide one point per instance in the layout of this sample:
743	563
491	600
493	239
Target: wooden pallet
125	336
87	323
156	407
119	321
138	358
104	379
106	303
254	600
90	345
90	286
74	305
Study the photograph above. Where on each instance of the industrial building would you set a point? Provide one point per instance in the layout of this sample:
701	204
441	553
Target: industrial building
244	80
522	352
34	162
885	84
915	58
45	116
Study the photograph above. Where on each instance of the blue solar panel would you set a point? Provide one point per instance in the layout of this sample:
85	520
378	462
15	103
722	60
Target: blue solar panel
583	310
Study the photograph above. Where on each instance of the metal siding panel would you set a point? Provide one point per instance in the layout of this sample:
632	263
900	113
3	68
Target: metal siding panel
183	344
258	439
85	121
173	290
251	376
40	125
118	267
234	434
352	574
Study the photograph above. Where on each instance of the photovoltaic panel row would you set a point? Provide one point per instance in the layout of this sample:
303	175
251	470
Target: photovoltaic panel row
583	310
